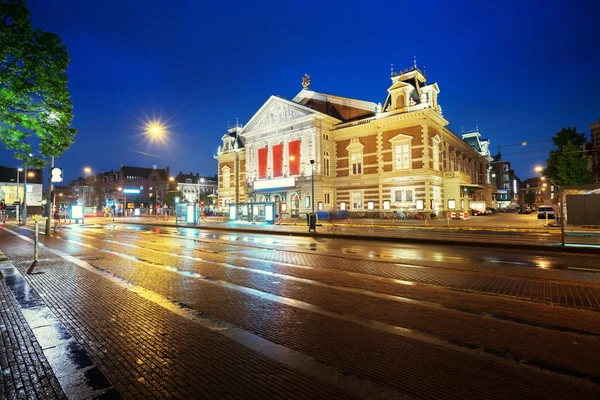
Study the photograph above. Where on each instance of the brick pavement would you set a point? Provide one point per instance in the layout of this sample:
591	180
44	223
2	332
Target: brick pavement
418	317
424	368
584	295
149	352
26	372
506	238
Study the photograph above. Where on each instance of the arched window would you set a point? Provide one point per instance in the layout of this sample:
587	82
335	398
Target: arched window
400	101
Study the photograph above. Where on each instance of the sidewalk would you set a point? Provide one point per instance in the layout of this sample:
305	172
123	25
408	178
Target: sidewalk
25	370
582	241
148	346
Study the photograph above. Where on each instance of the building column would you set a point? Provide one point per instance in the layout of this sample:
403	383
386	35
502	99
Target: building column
425	142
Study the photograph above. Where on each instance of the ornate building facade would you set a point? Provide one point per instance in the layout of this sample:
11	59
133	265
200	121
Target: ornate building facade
363	157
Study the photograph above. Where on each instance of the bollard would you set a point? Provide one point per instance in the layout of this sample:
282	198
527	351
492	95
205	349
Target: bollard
36	240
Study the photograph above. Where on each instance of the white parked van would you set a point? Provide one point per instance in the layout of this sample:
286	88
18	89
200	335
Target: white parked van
546	212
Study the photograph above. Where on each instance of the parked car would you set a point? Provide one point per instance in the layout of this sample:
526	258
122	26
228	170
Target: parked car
525	210
546	212
491	210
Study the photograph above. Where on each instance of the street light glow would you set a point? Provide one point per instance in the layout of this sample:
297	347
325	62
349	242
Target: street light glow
31	174
155	129
87	170
539	168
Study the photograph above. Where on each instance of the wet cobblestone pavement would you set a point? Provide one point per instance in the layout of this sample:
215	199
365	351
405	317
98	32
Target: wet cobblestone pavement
186	313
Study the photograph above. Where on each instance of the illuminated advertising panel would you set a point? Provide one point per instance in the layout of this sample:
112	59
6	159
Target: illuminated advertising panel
232	213
77	212
269	213
275	183
190	214
294	157
370	205
263	155
131	191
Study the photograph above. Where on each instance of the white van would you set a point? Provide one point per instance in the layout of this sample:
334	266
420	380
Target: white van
546	211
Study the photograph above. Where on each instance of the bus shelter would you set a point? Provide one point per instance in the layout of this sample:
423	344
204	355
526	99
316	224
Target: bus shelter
187	214
253	212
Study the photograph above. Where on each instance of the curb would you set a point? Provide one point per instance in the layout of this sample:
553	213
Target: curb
582	249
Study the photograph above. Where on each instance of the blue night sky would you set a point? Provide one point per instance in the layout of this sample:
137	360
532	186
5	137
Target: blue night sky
520	70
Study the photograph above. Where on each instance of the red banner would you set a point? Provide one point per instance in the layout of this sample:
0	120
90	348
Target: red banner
262	162
294	151
278	161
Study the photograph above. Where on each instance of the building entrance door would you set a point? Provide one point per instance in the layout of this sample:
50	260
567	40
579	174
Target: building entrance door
295	206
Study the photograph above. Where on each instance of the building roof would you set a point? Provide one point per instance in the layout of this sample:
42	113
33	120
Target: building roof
9	174
142	172
473	141
181	177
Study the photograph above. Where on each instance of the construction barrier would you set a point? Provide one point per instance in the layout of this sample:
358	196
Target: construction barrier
457	215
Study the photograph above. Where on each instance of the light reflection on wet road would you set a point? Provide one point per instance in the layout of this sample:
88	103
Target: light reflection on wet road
378	311
423	253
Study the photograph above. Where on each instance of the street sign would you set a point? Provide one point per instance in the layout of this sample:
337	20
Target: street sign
56	175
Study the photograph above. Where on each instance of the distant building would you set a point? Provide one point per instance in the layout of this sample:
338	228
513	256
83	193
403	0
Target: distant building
486	191
197	188
124	187
545	192
506	181
595	151
8	188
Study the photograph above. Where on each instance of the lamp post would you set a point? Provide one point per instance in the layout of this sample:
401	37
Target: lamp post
24	211
18	215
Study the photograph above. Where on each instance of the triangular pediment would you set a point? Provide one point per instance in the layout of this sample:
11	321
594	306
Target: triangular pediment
400	138
400	85
275	112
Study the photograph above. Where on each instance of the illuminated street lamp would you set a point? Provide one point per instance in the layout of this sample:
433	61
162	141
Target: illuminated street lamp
155	129
539	169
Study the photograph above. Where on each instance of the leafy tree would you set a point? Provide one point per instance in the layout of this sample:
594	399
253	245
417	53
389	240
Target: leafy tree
35	104
170	197
571	166
529	198
137	202
567	164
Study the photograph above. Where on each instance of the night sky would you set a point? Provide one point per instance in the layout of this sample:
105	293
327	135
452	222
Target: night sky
520	70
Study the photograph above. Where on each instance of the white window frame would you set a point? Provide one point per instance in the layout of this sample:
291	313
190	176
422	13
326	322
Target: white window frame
399	141
353	206
356	160
226	172
355	148
326	164
403	196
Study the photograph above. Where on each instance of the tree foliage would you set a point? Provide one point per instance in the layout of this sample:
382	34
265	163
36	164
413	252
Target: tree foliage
170	197
567	164
35	104
529	198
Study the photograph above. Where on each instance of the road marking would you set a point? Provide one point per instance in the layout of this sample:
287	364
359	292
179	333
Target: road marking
584	269
362	388
500	356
